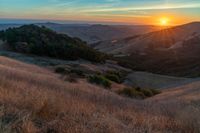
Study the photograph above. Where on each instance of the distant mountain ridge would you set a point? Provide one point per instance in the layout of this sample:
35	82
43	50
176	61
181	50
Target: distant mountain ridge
6	26
98	32
93	33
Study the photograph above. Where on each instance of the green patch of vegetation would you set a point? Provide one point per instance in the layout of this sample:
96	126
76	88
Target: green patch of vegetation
100	80
138	92
32	39
64	71
155	91
115	76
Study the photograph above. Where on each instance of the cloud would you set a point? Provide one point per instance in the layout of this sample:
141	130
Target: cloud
157	7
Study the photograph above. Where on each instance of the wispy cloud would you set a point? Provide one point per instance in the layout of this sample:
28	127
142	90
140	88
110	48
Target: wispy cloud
157	7
99	9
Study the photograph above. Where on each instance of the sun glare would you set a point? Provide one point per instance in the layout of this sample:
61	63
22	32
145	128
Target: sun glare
164	21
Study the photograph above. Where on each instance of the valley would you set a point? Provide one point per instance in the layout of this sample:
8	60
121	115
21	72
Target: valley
176	50
56	83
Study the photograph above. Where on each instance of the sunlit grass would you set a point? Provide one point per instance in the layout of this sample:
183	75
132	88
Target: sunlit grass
33	100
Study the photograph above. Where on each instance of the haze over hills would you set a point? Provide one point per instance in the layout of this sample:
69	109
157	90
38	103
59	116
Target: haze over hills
6	26
96	33
93	33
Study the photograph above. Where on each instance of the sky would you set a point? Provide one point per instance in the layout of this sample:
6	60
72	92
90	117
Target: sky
113	11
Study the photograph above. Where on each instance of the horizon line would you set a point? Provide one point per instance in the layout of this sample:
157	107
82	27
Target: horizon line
31	21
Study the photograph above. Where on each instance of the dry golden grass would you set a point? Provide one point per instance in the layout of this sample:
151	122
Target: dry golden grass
35	100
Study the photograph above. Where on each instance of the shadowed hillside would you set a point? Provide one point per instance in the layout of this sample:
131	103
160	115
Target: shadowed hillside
174	51
42	41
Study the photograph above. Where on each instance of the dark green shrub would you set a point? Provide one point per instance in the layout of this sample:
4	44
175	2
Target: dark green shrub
138	92
147	92
60	70
116	76
130	92
155	92
113	77
100	80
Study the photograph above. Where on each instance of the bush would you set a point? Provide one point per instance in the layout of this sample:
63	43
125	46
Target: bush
60	70
147	92
100	80
138	92
130	92
113	77
155	92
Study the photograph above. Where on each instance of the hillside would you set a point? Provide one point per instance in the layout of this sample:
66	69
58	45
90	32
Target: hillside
41	94
35	99
42	41
176	50
180	63
131	78
170	38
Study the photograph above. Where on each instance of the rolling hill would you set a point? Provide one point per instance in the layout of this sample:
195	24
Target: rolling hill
167	39
35	99
32	39
174	51
57	96
95	33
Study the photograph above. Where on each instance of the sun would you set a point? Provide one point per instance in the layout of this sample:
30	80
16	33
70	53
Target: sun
164	21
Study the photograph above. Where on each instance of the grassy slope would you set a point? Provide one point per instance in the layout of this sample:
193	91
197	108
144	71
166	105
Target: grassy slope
141	79
33	99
